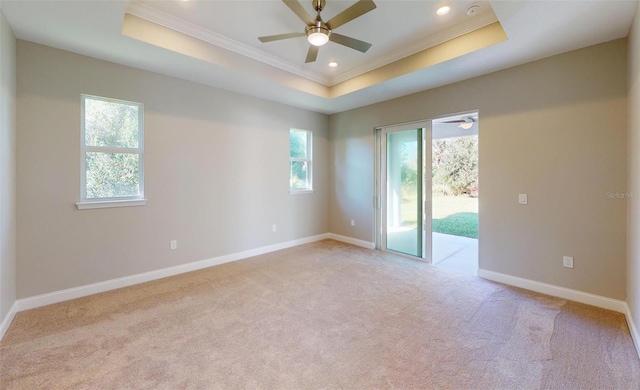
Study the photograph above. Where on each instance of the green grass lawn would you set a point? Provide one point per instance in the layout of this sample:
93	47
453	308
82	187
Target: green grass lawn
455	215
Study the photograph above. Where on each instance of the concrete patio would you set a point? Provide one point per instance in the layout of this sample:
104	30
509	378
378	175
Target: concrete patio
455	252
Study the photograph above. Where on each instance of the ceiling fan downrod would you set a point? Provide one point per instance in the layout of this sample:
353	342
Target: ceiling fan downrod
318	5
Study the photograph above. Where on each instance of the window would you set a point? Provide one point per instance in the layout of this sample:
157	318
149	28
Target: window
300	147
112	153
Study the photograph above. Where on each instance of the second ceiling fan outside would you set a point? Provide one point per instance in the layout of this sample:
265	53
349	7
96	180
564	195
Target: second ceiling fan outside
319	32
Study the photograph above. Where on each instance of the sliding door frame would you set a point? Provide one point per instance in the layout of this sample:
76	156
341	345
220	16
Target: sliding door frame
380	198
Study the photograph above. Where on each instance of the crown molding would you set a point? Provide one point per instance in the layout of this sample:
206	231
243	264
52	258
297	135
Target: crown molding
455	31
164	19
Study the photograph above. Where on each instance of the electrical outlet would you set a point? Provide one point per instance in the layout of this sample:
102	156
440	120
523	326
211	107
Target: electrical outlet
174	244
274	228
567	261
353	222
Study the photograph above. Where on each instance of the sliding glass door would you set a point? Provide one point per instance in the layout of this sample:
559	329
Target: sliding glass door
404	212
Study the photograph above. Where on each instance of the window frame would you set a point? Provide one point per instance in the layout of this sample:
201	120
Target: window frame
308	160
119	201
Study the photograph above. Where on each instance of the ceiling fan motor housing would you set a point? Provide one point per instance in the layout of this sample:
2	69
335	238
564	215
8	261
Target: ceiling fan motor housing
318	27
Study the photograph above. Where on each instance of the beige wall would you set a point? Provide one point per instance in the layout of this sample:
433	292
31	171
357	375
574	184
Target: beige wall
633	212
555	129
216	171
7	167
216	174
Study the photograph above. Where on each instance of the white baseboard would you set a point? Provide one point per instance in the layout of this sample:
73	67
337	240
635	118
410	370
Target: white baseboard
635	334
353	241
556	291
95	288
6	321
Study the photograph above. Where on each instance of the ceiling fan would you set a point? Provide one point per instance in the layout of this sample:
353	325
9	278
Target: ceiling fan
464	123
319	32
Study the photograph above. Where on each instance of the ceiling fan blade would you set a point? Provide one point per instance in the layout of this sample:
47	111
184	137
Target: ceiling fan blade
466	119
350	42
278	37
312	54
358	9
299	10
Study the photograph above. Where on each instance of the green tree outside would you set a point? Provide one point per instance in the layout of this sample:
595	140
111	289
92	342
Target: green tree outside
455	166
298	149
111	125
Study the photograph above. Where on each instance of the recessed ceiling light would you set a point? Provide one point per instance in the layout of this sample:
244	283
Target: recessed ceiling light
333	64
443	10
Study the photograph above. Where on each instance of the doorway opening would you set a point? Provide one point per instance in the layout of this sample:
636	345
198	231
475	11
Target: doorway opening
455	192
427	191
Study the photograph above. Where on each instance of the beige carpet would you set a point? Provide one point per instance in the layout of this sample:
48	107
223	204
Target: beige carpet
322	315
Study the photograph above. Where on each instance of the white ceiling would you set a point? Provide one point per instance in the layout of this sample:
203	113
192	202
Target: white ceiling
396	28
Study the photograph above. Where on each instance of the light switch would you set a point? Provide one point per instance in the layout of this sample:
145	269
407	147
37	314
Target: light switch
522	198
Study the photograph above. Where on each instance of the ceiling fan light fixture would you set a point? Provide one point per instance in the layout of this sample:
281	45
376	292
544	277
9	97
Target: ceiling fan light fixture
317	36
467	122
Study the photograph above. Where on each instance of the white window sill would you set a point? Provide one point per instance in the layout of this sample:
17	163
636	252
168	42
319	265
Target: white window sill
111	203
299	192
